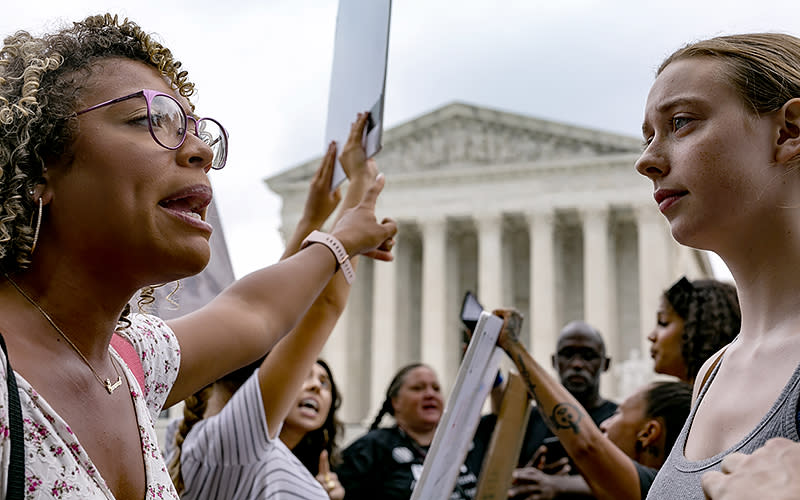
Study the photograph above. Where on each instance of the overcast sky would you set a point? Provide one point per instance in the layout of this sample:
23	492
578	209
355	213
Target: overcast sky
262	67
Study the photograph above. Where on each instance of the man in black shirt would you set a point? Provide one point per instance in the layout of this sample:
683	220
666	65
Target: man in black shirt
580	359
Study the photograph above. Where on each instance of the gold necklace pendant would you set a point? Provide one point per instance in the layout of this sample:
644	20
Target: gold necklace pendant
107	383
112	387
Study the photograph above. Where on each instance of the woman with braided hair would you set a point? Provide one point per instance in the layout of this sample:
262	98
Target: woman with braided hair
694	320
104	186
386	463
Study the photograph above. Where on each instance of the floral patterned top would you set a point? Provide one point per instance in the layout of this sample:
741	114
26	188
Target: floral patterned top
56	466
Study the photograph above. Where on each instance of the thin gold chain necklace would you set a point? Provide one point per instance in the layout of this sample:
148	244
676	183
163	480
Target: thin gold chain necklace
110	387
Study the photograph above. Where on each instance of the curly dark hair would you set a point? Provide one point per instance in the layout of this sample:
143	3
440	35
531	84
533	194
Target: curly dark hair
324	438
41	79
711	315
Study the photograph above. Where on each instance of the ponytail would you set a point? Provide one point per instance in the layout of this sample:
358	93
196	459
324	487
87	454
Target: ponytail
193	410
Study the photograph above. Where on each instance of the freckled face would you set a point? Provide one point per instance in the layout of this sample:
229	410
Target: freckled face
667	341
419	403
710	160
106	203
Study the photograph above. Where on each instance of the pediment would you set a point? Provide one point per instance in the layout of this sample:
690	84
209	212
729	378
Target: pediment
461	136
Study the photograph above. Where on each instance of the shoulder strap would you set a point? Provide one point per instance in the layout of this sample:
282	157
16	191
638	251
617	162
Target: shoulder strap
128	354
711	368
16	466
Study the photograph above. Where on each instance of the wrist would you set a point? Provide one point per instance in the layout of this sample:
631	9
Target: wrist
338	250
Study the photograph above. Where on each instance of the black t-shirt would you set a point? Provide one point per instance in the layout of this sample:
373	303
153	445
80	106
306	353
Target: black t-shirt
646	477
537	430
386	464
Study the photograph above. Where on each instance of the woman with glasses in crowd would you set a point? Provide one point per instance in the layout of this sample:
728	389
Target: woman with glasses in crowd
103	191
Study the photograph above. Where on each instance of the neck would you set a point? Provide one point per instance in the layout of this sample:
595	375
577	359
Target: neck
766	278
591	400
423	437
85	311
290	436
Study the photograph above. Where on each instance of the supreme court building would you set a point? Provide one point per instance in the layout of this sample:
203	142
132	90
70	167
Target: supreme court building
549	218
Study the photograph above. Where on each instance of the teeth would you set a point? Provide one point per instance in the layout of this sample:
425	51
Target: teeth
194	215
309	403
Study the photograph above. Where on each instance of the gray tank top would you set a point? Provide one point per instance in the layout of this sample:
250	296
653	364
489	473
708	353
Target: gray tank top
680	479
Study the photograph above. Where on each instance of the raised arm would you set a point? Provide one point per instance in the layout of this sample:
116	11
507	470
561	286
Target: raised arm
251	315
610	473
283	371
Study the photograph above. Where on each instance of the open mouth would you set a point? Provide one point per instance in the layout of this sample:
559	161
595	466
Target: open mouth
190	202
309	403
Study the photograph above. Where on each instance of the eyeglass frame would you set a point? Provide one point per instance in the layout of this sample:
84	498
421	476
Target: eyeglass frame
148	95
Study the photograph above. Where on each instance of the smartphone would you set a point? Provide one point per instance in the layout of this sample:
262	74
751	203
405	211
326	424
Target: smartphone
555	450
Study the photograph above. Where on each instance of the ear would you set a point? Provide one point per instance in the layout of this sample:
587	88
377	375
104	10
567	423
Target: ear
42	189
788	143
650	433
554	362
606	363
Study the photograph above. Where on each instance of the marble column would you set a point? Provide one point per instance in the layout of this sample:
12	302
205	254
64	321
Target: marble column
542	318
655	266
599	290
384	330
599	287
435	333
490	259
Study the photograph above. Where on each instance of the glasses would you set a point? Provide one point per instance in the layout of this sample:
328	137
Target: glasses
168	124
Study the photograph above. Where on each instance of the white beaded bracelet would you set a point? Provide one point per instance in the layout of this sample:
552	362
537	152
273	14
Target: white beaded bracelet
339	253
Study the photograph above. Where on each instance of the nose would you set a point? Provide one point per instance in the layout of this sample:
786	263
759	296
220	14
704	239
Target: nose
652	163
652	337
194	152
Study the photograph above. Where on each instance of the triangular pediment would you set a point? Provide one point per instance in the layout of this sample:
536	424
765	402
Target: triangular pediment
461	135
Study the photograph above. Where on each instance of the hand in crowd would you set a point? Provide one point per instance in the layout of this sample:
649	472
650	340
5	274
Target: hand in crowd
354	158
770	472
329	480
321	201
361	233
539	480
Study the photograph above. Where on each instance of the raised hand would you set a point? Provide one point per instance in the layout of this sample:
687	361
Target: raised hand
361	233
321	201
354	157
329	480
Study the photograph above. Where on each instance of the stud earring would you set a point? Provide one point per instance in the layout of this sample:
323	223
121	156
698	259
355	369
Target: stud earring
38	225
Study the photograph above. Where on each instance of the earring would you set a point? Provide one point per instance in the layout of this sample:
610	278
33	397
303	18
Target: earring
38	225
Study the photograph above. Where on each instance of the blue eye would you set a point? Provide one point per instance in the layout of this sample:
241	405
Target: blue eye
679	122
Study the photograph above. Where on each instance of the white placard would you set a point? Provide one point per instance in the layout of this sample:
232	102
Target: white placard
462	413
358	78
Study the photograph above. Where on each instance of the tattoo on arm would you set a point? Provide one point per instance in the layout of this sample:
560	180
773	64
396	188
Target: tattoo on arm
566	416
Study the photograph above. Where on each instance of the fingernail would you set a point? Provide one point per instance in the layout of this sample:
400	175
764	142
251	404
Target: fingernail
379	177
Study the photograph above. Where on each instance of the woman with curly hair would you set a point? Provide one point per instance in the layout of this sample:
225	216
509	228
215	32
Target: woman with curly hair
235	438
103	192
694	320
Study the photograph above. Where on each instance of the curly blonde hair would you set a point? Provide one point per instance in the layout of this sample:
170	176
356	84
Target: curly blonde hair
40	84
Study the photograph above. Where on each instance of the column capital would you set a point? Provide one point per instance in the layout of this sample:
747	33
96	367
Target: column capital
487	219
545	215
431	221
594	212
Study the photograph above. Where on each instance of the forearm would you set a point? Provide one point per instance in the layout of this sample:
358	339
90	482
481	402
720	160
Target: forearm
608	471
282	373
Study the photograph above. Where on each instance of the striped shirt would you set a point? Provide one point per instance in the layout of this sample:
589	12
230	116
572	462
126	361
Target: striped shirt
231	456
